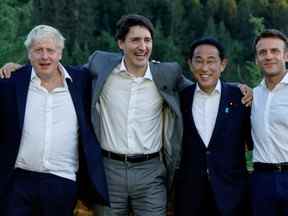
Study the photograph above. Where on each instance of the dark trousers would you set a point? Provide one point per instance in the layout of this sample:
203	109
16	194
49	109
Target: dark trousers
198	199
190	203
35	194
270	193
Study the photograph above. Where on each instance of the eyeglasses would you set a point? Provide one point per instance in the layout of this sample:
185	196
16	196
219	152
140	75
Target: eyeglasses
201	62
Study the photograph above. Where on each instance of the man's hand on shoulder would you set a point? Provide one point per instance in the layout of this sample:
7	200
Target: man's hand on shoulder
7	69
247	94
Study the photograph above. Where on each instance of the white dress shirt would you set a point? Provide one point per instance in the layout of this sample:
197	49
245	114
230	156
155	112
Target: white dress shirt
50	131
269	119
130	110
205	109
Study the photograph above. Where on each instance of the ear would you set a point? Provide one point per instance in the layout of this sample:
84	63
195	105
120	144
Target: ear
60	55
256	61
189	62
286	54
29	55
120	44
224	62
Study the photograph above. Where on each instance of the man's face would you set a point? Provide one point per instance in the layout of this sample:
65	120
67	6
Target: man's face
137	48
206	66
271	56
44	56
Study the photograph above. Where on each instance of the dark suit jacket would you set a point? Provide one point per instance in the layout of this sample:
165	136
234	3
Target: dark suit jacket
224	158
13	95
169	81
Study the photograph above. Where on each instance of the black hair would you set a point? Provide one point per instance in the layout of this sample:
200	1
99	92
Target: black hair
207	41
126	22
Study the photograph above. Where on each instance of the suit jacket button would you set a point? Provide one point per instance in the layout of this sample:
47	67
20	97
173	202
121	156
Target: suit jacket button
208	174
208	152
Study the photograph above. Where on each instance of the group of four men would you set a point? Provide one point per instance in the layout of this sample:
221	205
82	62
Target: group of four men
151	123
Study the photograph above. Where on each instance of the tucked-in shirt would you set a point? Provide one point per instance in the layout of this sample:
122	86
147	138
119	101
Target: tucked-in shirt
130	110
205	109
50	131
269	119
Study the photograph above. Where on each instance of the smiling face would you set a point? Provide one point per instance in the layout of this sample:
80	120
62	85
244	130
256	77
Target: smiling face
44	56
271	56
137	48
206	66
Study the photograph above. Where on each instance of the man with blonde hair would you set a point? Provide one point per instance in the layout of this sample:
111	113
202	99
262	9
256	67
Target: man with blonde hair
48	148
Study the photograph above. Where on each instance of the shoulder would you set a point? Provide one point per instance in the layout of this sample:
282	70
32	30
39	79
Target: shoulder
258	89
233	94
168	72
186	95
78	73
18	77
101	60
72	69
234	90
166	66
99	54
188	91
19	74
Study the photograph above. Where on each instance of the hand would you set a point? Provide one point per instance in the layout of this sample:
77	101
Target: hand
7	69
247	95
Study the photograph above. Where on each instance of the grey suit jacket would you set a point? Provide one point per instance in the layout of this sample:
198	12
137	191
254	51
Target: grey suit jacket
169	81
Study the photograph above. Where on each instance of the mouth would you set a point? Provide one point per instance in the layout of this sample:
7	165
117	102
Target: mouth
44	65
204	76
140	55
269	64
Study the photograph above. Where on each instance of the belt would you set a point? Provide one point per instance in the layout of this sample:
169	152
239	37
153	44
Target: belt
129	158
271	167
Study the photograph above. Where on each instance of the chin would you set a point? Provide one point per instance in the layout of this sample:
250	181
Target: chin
141	63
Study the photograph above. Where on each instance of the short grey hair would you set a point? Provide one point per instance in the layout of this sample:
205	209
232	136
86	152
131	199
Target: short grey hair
42	32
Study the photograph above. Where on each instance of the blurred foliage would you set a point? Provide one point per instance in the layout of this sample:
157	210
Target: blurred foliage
89	25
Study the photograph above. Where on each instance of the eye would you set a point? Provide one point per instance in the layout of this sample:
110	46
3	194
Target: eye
197	61
148	40
51	51
262	52
211	62
275	51
135	40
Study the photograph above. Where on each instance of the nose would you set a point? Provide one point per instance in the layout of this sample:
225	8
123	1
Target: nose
268	55
142	44
44	54
205	66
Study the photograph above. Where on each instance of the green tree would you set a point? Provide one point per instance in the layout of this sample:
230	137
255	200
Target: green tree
14	20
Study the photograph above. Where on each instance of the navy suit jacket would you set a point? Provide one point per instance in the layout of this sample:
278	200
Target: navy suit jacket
223	161
13	95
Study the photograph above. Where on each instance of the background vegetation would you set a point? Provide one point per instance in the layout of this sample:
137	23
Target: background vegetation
90	24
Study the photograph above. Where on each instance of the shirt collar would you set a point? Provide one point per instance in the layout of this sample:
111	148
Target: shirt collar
217	89
147	74
284	81
61	68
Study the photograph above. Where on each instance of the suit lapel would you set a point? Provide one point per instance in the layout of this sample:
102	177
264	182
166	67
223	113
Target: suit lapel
220	119
154	73
158	79
162	84
190	106
104	69
22	81
77	102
